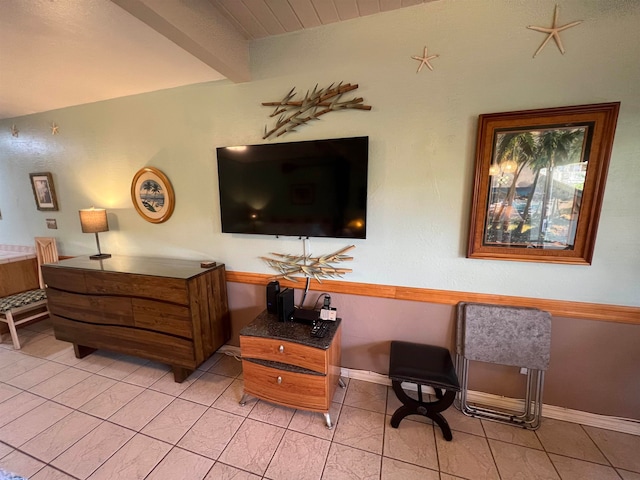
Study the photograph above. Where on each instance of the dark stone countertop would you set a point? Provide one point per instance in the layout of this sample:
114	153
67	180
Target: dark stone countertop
266	325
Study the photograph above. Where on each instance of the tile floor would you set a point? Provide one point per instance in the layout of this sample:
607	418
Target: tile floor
112	417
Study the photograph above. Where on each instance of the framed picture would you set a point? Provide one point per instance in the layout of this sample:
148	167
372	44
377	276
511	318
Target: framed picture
43	191
152	195
539	182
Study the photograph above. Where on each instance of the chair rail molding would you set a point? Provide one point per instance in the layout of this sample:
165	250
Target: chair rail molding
560	308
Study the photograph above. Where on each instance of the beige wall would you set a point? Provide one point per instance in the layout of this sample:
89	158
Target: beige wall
422	132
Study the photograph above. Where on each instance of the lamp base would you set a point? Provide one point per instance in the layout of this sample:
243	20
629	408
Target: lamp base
100	256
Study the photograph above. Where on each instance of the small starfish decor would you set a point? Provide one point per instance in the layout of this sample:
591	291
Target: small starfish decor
308	266
14	131
424	60
54	128
554	32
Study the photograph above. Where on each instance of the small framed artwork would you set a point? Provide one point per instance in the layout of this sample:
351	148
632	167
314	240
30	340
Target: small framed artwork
44	191
539	183
152	195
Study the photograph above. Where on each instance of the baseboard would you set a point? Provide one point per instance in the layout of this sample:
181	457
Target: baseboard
617	424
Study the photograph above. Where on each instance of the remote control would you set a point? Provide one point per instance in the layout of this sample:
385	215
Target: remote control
319	329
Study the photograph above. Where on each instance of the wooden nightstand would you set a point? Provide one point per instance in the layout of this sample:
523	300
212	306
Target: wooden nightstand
282	363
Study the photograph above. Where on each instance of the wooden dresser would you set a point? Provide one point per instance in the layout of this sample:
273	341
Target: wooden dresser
167	310
282	363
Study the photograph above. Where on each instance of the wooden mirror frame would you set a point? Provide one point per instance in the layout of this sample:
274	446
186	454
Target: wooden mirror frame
493	236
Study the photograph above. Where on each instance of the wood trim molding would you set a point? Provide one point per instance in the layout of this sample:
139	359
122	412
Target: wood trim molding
559	308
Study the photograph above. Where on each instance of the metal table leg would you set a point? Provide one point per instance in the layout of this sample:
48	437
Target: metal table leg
327	419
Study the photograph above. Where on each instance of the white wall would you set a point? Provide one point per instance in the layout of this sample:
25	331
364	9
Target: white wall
422	131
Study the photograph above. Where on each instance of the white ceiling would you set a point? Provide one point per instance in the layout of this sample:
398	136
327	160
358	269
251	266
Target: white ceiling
59	53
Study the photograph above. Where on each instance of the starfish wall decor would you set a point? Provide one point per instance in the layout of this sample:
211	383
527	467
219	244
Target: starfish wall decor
14	131
308	266
553	31
313	105
54	128
424	60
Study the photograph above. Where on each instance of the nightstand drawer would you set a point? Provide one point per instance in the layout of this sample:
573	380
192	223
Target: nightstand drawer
284	352
292	389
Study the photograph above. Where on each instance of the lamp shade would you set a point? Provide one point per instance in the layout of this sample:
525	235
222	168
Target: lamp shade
94	220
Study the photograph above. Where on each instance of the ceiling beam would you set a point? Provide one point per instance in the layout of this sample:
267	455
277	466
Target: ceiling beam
198	28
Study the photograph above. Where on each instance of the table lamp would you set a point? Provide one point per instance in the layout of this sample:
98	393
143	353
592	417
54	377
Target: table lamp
94	220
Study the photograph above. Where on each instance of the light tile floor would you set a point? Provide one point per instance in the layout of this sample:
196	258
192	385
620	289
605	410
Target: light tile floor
114	417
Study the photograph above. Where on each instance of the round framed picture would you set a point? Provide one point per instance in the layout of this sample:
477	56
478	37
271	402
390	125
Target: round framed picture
152	195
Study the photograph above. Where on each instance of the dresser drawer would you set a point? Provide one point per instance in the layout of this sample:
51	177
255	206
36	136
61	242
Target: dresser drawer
314	359
291	389
172	290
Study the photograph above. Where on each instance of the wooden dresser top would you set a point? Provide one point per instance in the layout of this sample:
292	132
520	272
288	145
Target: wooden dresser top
152	266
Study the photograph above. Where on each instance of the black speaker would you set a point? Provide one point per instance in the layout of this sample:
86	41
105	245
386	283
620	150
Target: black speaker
273	288
285	305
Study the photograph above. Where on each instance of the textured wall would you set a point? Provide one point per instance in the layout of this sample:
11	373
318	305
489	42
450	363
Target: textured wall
422	137
422	132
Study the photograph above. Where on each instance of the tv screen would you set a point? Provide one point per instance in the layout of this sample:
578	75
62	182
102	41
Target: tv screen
316	188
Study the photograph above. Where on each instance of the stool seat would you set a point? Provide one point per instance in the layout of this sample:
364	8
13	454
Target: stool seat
423	365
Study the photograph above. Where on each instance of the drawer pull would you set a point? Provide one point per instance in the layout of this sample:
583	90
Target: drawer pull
281	348
279	380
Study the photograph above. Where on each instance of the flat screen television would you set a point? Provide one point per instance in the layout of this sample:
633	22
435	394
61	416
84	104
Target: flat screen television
315	188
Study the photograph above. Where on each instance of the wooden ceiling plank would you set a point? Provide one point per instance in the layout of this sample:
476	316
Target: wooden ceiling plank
285	14
241	13
347	9
266	16
411	3
326	11
368	7
306	14
386	5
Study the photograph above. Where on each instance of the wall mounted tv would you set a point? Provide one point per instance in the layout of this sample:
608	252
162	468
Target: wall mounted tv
315	188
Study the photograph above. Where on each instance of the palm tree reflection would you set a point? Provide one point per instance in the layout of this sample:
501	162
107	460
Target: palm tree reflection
524	212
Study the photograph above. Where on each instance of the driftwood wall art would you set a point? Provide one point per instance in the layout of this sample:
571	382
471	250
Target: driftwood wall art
308	266
313	105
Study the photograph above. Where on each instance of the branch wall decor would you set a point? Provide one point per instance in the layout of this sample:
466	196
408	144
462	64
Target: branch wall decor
308	266
313	105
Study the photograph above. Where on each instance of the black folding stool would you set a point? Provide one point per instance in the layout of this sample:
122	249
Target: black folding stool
423	365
